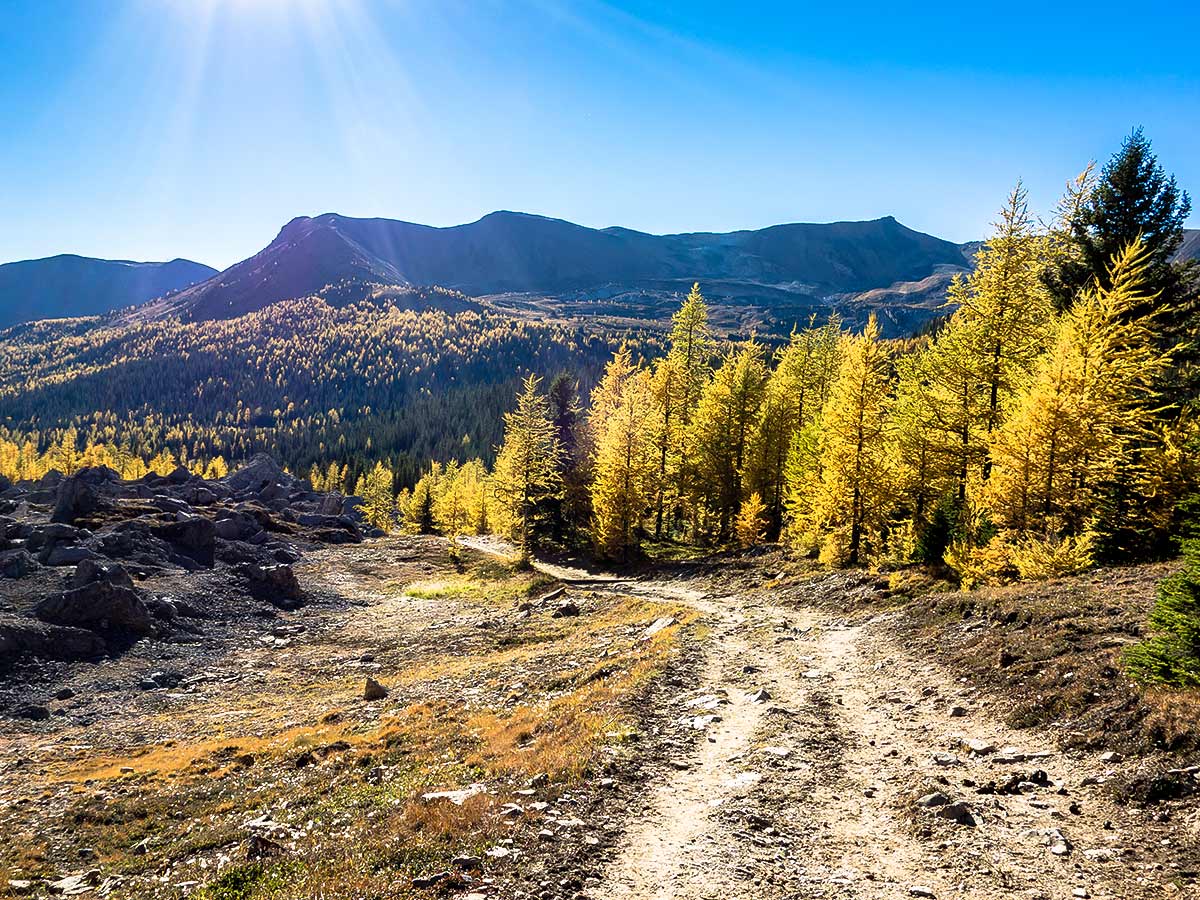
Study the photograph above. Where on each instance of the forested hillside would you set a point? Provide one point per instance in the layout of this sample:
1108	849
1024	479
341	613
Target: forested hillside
405	376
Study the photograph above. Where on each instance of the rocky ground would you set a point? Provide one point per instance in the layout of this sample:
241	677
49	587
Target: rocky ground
400	718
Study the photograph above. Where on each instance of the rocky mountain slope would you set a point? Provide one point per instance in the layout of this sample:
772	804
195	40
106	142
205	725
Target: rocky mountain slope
514	253
67	285
1190	248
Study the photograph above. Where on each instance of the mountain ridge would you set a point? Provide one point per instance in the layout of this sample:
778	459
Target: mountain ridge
68	285
508	252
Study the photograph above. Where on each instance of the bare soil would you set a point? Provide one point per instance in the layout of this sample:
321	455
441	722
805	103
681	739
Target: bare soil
784	735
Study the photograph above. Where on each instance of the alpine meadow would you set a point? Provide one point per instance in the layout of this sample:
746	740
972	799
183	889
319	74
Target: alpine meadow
522	558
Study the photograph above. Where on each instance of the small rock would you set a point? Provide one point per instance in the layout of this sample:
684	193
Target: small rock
958	813
659	625
33	711
919	890
934	799
427	881
957	712
373	690
1112	756
760	696
565	609
979	747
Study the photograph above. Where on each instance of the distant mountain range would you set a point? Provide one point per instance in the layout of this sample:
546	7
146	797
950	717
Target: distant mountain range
764	279
509	255
67	285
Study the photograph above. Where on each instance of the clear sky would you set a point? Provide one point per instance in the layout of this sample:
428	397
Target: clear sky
150	129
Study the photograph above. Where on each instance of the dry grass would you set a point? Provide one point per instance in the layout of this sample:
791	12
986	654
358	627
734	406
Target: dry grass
349	777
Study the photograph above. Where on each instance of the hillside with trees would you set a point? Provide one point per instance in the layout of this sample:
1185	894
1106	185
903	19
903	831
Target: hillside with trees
404	377
1049	424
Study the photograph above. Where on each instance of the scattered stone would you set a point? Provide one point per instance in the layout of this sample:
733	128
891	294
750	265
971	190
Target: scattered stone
978	746
76	884
1112	756
373	690
919	890
762	695
957	712
261	847
959	813
934	799
458	797
35	712
428	881
657	626
565	609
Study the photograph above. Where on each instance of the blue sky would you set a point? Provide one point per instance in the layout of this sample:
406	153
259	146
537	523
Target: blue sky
149	129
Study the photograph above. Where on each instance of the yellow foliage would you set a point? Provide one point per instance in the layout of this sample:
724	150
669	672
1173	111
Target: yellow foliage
750	526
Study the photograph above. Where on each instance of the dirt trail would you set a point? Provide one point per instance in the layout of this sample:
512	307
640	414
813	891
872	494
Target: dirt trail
813	791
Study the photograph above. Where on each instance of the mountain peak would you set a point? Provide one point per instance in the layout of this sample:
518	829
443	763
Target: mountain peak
507	251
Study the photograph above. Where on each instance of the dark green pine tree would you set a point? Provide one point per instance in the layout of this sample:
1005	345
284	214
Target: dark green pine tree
1134	199
1171	652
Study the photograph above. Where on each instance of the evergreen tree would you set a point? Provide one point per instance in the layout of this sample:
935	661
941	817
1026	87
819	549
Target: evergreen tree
626	467
850	508
1133	200
720	435
1072	431
573	509
1171	652
527	473
419	515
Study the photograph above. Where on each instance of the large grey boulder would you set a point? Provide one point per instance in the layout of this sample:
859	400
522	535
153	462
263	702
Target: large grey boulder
25	636
193	536
99	606
274	582
256	474
84	494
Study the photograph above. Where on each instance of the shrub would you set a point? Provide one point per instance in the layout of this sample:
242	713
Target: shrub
1038	558
1171	652
975	566
751	524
